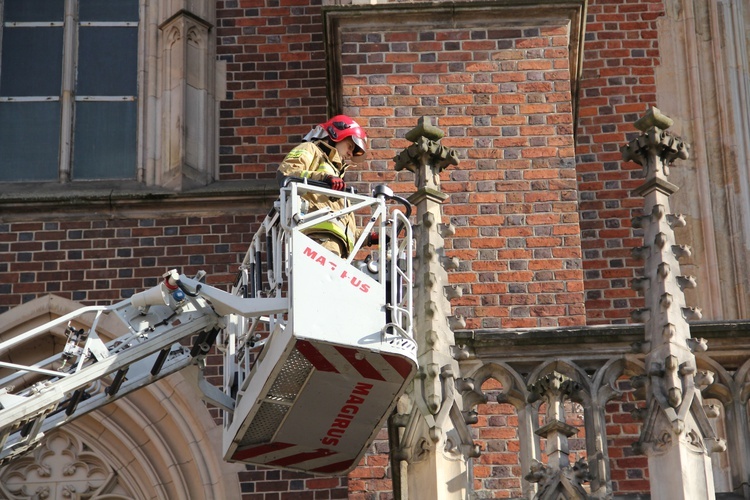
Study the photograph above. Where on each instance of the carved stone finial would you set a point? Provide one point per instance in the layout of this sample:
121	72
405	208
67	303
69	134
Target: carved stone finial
426	129
653	118
436	438
425	151
669	433
555	388
655	150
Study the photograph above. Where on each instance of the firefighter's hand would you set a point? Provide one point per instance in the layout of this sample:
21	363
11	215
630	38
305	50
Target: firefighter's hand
336	183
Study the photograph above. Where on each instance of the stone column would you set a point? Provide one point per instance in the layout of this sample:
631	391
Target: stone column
558	479
676	435
434	440
188	90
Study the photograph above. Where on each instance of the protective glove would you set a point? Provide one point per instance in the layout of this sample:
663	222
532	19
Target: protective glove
374	238
336	183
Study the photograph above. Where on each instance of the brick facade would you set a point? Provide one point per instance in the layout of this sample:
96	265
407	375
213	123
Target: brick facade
503	98
276	82
101	261
617	87
542	230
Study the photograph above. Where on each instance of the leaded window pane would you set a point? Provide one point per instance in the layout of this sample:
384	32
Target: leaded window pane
108	10
31	61
104	52
107	61
29	141
28	11
105	140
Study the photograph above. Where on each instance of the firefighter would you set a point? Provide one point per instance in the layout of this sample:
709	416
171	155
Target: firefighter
324	156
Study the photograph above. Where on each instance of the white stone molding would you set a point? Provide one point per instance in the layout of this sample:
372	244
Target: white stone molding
178	97
594	393
602	360
186	112
732	390
63	467
703	83
603	390
515	393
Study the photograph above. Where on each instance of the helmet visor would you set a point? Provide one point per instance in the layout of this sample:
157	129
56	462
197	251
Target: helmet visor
361	145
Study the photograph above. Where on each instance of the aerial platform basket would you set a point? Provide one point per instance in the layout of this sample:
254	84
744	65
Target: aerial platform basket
333	366
337	349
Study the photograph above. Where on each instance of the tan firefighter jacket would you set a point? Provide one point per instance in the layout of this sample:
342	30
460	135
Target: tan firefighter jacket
316	160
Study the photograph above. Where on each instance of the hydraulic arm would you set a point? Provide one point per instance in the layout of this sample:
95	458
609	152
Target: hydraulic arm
284	348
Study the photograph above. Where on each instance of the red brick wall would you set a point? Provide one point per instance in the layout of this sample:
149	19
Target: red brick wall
276	82
498	469
267	484
101	261
618	86
502	96
629	471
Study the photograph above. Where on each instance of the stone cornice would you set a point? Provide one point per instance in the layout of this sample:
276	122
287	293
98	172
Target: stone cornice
22	201
728	341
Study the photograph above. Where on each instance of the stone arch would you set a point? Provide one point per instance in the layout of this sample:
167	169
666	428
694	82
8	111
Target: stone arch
564	366
722	387
513	392
159	442
514	389
731	390
603	386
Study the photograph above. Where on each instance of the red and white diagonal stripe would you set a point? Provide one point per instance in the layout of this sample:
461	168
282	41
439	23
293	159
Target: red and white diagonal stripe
287	455
359	362
327	432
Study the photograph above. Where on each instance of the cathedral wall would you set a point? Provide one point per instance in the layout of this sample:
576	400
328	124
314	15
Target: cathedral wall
540	200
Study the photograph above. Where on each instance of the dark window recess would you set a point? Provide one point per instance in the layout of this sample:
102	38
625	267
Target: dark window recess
107	61
105	140
31	61
108	10
34	99
29	141
25	11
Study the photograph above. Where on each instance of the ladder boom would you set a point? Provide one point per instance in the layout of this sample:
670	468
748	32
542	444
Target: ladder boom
330	328
63	395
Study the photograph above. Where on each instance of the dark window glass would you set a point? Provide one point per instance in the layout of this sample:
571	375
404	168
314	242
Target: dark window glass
20	11
108	10
29	141
105	140
31	61
107	61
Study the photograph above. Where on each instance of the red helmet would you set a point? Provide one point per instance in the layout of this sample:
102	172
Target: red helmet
339	128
